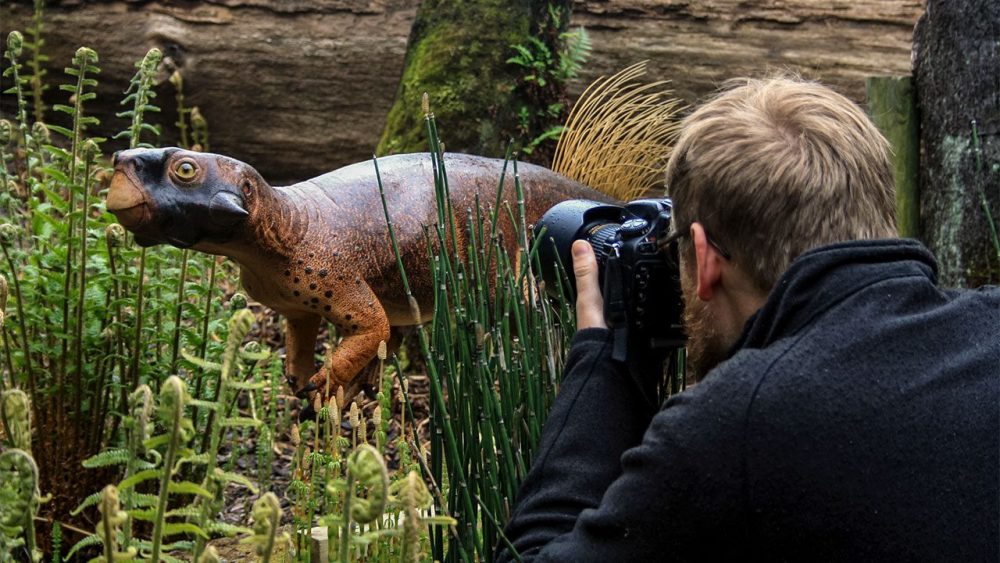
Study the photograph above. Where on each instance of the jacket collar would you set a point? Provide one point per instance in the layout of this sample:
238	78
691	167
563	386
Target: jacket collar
825	276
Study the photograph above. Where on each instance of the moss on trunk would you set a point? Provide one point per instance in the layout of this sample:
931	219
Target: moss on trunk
457	54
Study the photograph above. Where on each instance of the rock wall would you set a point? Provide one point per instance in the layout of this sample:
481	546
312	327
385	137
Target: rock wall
299	87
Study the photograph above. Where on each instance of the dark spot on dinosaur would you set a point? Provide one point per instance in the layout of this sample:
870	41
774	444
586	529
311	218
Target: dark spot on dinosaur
328	293
312	286
311	254
309	270
288	273
315	300
354	327
295	280
326	308
322	273
295	293
335	254
347	316
299	262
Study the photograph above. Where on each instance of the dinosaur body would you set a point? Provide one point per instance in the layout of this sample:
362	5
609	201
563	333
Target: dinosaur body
320	249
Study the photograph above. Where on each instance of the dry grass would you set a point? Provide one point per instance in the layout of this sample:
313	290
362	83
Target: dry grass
619	135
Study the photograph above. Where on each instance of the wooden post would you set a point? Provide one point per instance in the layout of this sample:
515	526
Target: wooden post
319	548
892	107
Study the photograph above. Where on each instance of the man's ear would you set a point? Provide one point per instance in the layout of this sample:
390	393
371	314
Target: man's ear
708	264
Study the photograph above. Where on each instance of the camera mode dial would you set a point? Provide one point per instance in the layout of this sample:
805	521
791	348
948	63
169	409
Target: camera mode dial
633	227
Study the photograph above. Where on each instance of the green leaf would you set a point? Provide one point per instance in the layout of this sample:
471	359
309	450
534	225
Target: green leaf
86	542
187	488
91	500
239	422
174	528
203	364
225	529
139	478
119	456
62	131
439	521
229	477
247	385
198	403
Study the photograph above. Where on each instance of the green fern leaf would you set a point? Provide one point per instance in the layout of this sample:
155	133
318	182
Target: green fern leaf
139	478
174	528
187	488
107	458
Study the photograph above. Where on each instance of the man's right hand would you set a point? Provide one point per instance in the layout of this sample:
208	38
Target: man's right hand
589	302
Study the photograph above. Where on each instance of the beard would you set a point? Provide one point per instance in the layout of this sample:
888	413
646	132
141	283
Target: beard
706	346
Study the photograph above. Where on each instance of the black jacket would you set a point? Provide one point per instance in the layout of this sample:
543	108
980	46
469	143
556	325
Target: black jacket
857	420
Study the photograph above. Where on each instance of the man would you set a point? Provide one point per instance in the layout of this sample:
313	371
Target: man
849	408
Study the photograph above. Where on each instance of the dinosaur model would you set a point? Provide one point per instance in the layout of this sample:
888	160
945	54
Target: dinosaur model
320	249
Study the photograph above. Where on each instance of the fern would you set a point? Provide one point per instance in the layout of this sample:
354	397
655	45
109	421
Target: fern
140	94
15	43
37	60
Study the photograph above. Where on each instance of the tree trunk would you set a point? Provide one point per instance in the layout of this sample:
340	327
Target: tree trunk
457	54
957	72
294	87
699	44
299	87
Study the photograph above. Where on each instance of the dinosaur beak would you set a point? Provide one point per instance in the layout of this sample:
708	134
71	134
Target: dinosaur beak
227	209
128	202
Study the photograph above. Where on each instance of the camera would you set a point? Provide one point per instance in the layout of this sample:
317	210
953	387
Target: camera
639	277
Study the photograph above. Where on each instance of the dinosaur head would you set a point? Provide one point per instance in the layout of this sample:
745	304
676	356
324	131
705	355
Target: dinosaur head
180	197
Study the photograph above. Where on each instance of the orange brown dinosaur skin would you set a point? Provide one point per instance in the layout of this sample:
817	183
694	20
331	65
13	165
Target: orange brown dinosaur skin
320	249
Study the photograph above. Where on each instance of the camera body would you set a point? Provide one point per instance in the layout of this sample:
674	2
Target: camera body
639	276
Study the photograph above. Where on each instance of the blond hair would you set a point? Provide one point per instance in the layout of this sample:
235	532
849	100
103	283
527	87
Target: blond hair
774	167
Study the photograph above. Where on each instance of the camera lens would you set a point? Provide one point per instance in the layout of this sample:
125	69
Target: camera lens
595	222
602	238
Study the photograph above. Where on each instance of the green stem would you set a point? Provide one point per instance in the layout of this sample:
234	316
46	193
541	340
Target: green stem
20	320
206	316
345	532
168	466
176	341
81	299
133	369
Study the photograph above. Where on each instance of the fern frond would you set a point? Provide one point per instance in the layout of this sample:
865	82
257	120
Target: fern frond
118	456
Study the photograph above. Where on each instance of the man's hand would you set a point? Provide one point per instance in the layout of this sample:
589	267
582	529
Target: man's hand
589	303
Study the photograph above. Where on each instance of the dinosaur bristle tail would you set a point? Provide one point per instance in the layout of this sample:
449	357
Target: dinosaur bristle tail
619	134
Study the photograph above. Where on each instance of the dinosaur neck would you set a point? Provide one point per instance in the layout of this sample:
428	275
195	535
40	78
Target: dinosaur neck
275	228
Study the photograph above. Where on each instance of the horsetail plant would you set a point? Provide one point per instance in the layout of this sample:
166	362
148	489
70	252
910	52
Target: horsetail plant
497	355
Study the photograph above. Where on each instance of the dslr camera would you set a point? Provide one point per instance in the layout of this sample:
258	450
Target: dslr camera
638	272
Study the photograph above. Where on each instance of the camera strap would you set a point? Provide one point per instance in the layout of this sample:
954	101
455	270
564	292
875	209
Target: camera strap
616	307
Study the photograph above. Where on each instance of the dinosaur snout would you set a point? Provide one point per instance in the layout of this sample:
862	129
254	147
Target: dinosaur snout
128	202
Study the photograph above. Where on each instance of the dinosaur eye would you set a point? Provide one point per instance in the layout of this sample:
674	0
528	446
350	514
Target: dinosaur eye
185	170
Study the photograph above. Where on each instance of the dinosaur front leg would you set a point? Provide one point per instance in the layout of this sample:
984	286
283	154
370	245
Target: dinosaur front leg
370	377
300	349
363	323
